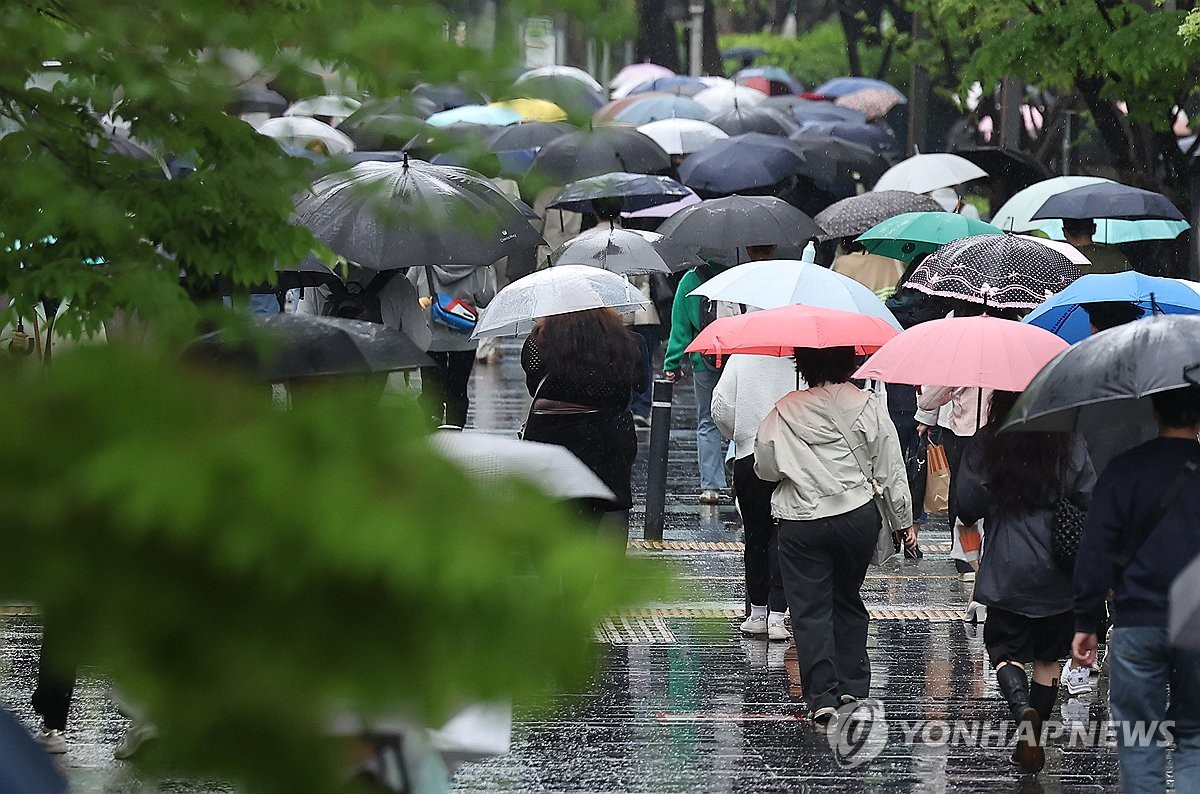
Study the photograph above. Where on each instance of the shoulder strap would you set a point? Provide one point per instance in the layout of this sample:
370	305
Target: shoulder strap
1133	540
868	470
429	281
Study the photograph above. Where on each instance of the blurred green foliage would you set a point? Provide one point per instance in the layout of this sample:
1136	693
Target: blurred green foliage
245	571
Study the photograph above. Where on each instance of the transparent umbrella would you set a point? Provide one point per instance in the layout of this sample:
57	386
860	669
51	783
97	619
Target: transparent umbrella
558	290
625	251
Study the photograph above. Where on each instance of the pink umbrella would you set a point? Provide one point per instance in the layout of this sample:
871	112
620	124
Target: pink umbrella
776	332
636	74
664	210
983	352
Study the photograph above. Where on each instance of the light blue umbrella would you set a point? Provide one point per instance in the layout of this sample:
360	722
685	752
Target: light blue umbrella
1017	215
658	107
489	115
1062	314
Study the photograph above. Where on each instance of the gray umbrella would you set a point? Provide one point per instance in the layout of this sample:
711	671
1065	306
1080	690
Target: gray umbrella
1109	200
297	346
1122	365
739	221
626	251
384	216
637	191
852	216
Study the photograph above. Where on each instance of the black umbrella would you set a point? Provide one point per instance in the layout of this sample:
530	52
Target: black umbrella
528	135
852	216
311	272
1122	366
1110	200
298	346
743	53
875	137
395	215
636	191
457	137
839	167
806	111
1014	166
258	99
626	251
407	105
26	767
999	270
448	97
766	120
604	150
736	221
382	130
743	162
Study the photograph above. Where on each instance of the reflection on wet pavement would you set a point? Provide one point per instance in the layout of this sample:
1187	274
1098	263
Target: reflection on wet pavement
680	701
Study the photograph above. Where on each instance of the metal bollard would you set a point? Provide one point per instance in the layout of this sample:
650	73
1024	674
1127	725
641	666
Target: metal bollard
656	469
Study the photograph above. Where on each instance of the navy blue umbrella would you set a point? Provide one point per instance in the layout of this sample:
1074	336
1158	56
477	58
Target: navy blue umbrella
876	138
1110	200
741	163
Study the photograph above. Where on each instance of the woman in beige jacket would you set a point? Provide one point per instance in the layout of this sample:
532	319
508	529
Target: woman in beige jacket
828	521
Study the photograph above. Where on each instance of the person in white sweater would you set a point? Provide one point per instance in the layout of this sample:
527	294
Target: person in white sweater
747	391
828	521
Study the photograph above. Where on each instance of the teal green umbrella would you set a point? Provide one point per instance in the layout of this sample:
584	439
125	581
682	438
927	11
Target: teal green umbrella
907	236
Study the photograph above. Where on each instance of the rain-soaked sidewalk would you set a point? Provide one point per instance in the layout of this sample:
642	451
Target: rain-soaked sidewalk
681	701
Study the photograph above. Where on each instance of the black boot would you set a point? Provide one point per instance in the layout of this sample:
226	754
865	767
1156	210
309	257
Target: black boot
1028	753
1042	697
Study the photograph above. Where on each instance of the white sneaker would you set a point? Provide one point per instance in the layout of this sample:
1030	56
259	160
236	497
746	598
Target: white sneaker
132	740
52	741
778	631
976	613
1077	680
757	626
822	718
710	496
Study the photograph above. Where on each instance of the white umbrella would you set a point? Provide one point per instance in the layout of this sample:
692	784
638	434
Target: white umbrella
302	130
573	72
682	136
722	98
329	105
550	468
635	74
557	290
664	210
782	282
922	173
1076	256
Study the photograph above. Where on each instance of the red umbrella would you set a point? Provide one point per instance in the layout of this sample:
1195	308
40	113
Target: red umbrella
776	332
983	352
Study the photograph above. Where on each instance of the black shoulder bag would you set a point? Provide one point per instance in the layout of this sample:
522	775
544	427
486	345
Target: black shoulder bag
353	302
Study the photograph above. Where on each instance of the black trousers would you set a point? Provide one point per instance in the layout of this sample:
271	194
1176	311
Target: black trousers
824	562
764	585
55	681
444	387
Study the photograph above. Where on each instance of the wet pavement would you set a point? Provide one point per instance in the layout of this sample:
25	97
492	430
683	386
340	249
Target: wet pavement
680	700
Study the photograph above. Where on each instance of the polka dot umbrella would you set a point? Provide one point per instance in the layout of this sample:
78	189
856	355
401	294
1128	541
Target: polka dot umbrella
997	270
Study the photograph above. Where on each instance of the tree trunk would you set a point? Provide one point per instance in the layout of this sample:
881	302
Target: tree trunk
711	57
657	41
853	32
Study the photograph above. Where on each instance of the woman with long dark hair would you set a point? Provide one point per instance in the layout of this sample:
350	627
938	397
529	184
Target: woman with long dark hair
810	443
1016	481
579	369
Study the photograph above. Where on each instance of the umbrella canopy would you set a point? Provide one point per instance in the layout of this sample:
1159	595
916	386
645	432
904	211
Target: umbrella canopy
907	236
742	53
767	120
579	99
27	768
328	105
636	73
487	115
258	99
782	282
743	162
645	108
548	467
563	72
298	346
529	135
1109	200
395	215
311	272
376	131
625	251
448	97
513	165
740	221
852	216
306	132
1063	314
1072	253
730	96
674	84
638	191
998	270
556	290
806	111
1016	167
838	167
980	352
777	332
840	86
1124	365
664	210
585	153
531	109
682	136
774	74
877	138
874	103
923	173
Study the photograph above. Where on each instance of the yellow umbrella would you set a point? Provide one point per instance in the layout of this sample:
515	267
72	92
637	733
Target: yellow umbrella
534	109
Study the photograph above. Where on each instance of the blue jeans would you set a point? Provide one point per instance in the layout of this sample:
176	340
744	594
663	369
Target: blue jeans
710	444
1143	666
